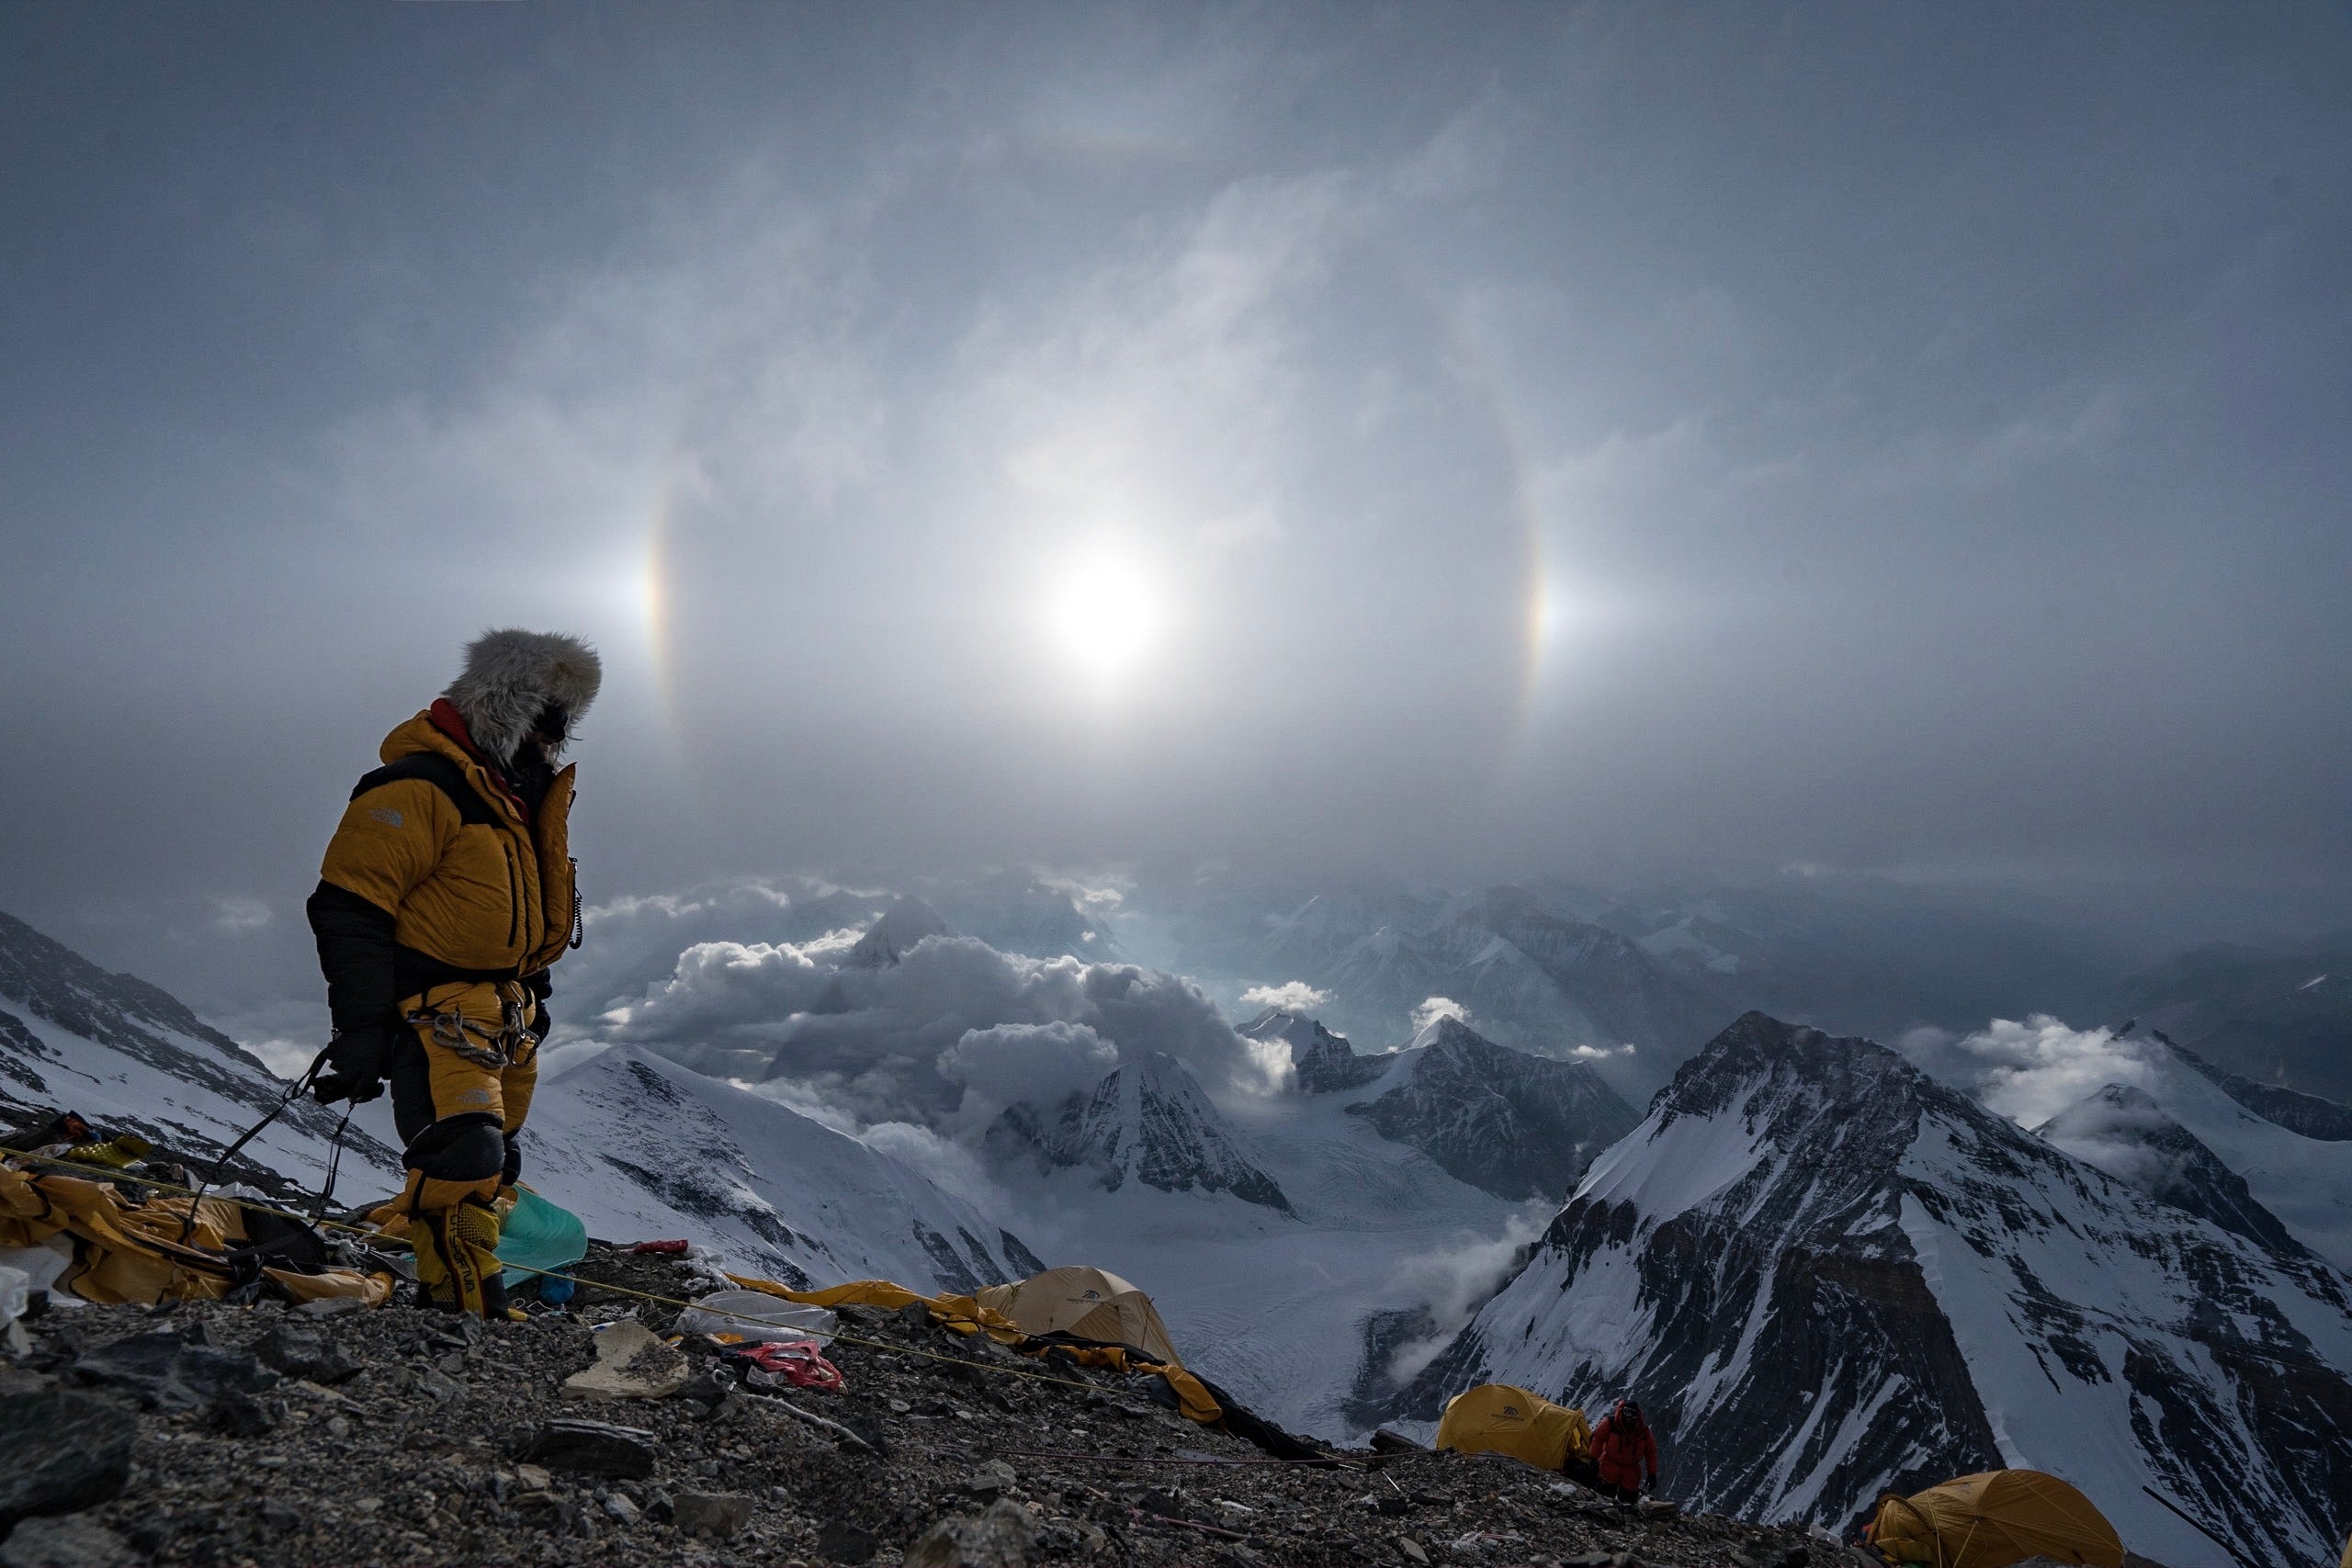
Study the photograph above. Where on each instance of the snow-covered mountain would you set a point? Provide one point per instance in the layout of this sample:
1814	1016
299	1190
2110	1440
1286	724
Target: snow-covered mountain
1147	1119
1517	1125
2306	1115
2123	1132
2305	1182
1827	1275
903	924
130	1057
2277	1014
1321	1060
1528	976
641	1147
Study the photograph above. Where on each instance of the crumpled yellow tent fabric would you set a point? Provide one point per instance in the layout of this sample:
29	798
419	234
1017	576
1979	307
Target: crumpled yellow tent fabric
966	1314
126	1250
1496	1418
1993	1519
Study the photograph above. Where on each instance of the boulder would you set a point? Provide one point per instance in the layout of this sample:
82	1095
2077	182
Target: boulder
592	1447
839	1542
632	1362
999	1539
718	1514
172	1368
300	1350
76	1542
68	1451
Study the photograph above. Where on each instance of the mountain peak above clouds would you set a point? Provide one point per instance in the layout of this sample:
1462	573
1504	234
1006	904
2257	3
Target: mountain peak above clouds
900	927
1323	1061
1826	1276
1147	1119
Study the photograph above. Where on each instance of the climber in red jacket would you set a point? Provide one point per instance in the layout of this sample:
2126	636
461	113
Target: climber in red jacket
1624	1453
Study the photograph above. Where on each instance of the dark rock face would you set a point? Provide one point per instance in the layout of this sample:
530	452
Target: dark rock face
1818	1270
171	1369
2305	1113
1325	1061
68	1451
1516	1125
1147	1119
2126	1133
594	1448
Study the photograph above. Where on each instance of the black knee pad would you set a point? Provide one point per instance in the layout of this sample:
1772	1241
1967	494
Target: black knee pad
513	1170
459	1149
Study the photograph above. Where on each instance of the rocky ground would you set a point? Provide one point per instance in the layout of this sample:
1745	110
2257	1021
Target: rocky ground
254	1435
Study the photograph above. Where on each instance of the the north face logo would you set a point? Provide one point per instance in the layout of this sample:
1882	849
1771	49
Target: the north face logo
387	816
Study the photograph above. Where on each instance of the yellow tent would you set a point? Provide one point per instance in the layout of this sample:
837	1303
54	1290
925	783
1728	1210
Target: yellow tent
1993	1520
1495	1417
1088	1302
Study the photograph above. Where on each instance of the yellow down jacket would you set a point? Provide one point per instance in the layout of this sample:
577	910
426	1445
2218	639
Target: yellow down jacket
477	886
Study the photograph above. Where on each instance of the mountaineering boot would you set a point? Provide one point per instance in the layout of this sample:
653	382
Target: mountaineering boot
457	1258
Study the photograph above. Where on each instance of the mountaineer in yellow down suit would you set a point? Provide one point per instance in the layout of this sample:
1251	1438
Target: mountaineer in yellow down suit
447	893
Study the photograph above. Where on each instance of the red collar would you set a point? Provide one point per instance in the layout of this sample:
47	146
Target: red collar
451	723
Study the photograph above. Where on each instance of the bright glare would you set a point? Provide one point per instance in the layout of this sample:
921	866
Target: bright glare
1103	615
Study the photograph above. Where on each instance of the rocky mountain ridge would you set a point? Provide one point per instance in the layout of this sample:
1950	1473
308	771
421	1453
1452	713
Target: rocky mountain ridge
1826	1275
1146	1120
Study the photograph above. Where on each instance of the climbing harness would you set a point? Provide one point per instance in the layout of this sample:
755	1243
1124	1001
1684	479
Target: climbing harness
510	1043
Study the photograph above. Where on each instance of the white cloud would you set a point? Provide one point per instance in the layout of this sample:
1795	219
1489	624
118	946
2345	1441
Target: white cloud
1436	1007
948	1034
1041	1063
1451	1284
1291	996
2029	1071
234	916
1598	1052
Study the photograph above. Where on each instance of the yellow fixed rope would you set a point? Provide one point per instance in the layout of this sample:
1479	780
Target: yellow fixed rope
111	1174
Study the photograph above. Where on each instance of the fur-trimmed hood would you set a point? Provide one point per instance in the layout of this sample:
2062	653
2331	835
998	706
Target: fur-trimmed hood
510	675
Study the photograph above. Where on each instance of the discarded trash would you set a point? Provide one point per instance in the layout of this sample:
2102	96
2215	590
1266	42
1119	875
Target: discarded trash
662	1248
795	1362
755	1315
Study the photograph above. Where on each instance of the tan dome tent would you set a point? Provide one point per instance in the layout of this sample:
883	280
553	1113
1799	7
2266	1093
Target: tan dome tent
1085	1303
1495	1417
1993	1520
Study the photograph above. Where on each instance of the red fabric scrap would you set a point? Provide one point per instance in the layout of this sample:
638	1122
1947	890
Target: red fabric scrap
797	1362
665	1248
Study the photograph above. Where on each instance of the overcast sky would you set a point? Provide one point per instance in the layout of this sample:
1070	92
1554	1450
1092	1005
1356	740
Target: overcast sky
1451	439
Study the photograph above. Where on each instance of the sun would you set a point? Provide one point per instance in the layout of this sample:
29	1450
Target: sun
1102	615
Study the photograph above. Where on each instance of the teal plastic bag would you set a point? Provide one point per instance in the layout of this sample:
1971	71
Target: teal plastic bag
542	1234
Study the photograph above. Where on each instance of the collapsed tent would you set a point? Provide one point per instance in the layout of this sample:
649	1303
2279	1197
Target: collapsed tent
1085	1304
1150	1351
1993	1519
128	1249
1495	1417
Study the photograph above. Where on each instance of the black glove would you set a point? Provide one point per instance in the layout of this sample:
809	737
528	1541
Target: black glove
357	1060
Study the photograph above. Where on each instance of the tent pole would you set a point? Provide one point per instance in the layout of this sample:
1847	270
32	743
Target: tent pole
2240	1556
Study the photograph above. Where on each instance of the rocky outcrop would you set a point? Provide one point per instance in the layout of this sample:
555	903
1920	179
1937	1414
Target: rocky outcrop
1323	1061
1513	1124
1147	1119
